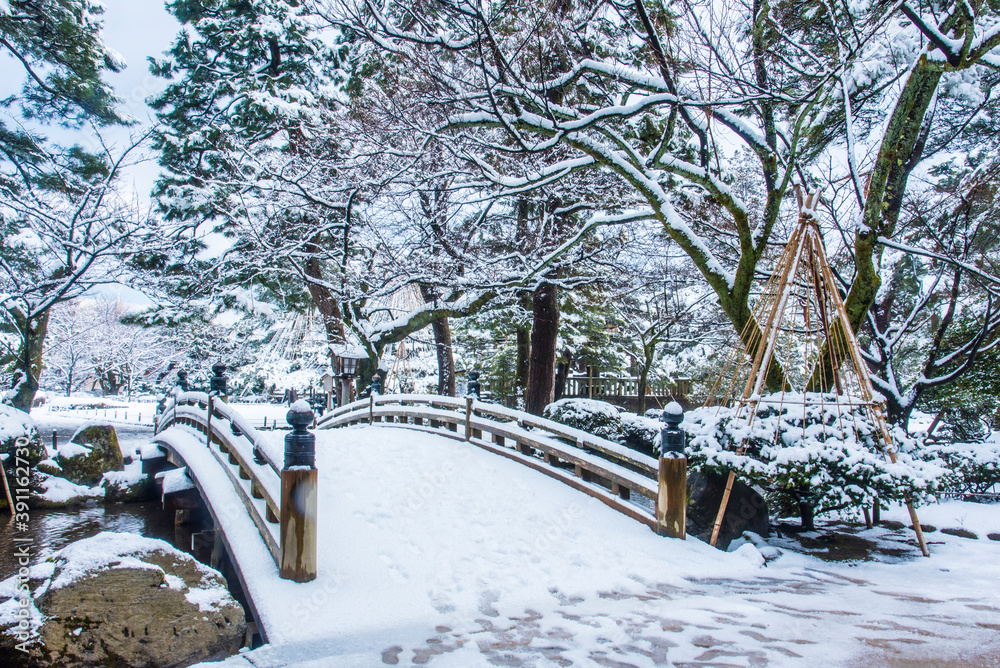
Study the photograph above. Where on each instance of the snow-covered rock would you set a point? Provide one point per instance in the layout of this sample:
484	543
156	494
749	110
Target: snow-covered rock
15	424
92	452
120	599
128	485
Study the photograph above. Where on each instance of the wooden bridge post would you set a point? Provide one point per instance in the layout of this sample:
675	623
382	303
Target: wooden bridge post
468	418
671	499
299	482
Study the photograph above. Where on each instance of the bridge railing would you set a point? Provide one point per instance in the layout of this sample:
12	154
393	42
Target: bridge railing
252	465
603	469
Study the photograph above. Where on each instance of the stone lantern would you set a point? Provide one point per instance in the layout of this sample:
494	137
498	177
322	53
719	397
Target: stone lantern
346	361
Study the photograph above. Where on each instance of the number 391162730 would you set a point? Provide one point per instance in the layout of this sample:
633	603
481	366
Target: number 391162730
22	477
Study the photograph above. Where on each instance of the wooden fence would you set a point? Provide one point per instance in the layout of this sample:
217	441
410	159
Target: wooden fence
615	386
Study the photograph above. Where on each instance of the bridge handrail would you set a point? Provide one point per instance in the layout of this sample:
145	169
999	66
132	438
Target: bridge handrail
610	450
597	464
244	448
221	409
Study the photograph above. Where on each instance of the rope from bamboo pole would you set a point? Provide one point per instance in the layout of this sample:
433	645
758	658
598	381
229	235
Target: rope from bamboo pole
865	381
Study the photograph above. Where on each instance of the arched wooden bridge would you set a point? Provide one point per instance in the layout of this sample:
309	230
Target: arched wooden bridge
238	472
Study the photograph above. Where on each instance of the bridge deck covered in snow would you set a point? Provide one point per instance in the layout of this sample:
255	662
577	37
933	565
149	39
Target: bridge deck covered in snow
432	549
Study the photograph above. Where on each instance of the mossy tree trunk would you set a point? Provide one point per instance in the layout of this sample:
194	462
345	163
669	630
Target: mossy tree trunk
32	330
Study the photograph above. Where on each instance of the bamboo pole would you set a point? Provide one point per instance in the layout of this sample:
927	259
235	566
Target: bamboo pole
6	488
840	341
762	360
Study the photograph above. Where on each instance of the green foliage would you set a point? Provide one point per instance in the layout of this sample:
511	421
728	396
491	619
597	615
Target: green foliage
641	433
57	45
975	467
824	455
242	73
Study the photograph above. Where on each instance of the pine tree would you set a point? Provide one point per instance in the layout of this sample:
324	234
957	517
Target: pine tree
251	88
58	219
59	47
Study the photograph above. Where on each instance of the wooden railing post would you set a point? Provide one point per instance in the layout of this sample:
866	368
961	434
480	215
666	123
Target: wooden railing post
208	423
299	482
671	498
468	418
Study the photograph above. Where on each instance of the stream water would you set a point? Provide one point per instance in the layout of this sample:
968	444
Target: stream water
50	530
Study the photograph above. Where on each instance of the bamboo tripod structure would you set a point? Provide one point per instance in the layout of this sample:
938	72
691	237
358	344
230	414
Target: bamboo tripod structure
799	329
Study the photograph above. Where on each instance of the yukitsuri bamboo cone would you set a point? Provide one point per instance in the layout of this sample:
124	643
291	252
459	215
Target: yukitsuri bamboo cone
805	251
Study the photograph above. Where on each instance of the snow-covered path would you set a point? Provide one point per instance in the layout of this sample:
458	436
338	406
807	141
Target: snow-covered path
432	550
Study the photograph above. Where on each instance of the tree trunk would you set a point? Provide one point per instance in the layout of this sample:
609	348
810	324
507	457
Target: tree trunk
544	334
899	153
521	362
442	344
29	360
806	512
445	357
333	322
640	404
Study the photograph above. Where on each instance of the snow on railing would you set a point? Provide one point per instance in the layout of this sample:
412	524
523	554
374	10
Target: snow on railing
603	469
254	467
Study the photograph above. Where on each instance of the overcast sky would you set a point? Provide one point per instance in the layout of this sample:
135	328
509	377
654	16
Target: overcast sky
138	29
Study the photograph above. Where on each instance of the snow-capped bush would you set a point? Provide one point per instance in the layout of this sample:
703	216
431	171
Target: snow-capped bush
15	424
595	417
975	467
818	453
640	433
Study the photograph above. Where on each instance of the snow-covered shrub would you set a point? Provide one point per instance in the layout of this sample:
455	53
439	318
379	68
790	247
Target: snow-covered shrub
818	455
640	433
595	417
975	467
15	424
961	425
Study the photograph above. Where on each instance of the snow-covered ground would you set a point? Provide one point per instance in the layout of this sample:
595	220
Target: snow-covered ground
59	410
432	550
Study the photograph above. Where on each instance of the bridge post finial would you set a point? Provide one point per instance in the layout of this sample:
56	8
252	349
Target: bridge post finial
473	387
671	499
299	483
182	380
217	385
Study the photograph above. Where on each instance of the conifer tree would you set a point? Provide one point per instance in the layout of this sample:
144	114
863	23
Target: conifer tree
58	217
